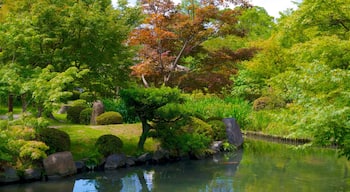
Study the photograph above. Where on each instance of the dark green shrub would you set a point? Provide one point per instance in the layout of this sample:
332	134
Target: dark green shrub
73	112
119	106
85	116
56	139
109	144
88	96
219	129
109	117
188	135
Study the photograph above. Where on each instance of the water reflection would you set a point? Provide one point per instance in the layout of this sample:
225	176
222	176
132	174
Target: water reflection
262	167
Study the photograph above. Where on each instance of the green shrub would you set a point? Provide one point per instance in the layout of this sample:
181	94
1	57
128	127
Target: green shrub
73	113
119	106
188	135
88	96
56	139
85	116
109	144
109	117
267	102
219	129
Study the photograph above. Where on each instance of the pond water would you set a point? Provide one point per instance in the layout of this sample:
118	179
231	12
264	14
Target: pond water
260	166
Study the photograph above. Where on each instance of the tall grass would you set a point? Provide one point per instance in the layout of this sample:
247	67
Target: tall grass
210	106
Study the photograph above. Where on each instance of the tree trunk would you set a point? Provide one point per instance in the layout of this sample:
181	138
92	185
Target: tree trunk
24	102
10	103
145	129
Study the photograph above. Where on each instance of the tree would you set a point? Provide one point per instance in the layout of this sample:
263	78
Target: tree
145	102
169	32
87	35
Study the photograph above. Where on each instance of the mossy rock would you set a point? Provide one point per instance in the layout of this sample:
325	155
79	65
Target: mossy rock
109	144
55	139
110	117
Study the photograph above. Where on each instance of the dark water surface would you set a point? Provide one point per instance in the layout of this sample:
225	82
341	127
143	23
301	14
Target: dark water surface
260	166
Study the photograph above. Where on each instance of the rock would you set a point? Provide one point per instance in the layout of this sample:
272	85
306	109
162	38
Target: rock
160	156
233	132
63	109
81	167
144	158
130	161
114	161
32	174
216	146
97	109
59	165
8	175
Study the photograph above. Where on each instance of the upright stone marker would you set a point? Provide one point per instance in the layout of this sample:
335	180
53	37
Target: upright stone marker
233	132
97	109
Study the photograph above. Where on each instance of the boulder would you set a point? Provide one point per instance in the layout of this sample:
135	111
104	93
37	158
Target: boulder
233	132
130	161
114	161
32	174
160	156
63	109
8	175
60	164
81	167
216	146
97	109
144	158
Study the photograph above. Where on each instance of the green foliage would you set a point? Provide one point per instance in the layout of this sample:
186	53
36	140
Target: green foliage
228	147
85	116
219	129
188	135
76	107
211	106
109	144
19	147
110	117
267	102
118	105
56	139
146	101
33	150
88	97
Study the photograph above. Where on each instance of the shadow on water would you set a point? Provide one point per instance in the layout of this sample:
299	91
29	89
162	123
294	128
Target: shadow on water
262	167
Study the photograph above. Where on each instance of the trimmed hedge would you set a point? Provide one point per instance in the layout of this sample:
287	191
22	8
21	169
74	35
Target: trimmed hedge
85	116
109	144
55	139
110	117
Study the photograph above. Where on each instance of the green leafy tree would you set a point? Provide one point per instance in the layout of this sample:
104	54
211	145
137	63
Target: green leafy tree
145	102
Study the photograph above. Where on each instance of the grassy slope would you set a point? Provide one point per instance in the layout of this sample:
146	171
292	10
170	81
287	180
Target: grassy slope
84	137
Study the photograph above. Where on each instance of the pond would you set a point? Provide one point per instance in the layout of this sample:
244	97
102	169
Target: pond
260	166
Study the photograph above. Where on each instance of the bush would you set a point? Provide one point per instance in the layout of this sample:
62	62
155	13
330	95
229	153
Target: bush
119	106
85	116
73	112
88	96
56	139
110	117
219	129
267	102
109	144
188	135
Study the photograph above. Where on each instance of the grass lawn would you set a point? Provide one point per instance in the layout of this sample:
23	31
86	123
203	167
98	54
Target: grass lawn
83	138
